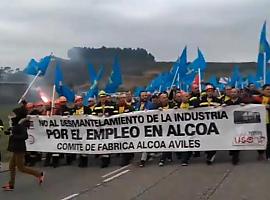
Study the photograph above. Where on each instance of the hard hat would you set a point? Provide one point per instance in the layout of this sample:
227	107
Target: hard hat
62	99
102	93
208	87
77	98
91	99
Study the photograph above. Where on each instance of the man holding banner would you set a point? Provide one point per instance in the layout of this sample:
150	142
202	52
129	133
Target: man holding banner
79	109
103	109
144	104
123	107
165	105
233	99
188	102
209	100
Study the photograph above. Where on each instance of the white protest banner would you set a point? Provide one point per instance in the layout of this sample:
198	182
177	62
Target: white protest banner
200	129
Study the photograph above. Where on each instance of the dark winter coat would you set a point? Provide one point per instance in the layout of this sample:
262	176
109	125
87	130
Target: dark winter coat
18	136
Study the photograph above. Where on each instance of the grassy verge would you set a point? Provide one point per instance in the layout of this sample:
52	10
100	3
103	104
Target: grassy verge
4	111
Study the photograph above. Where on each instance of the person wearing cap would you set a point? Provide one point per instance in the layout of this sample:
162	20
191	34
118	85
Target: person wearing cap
62	109
79	109
123	107
104	108
210	100
143	105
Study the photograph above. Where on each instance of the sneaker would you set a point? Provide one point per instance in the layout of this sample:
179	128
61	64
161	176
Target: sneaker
210	160
161	164
41	178
142	163
184	164
8	187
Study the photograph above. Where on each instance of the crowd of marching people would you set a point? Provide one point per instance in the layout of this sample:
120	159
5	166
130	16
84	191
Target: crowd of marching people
108	105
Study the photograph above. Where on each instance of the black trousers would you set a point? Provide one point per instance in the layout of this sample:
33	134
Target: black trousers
126	158
210	154
186	156
267	151
268	141
165	156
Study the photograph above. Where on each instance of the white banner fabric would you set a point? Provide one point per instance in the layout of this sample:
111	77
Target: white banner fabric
200	129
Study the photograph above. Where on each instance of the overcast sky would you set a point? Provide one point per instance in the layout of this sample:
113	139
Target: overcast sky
225	30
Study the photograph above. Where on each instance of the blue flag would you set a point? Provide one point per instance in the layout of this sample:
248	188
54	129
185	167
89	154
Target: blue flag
138	90
180	63
267	77
199	62
213	81
115	79
236	78
100	73
264	52
253	79
93	91
60	88
92	73
260	65
34	67
192	69
178	69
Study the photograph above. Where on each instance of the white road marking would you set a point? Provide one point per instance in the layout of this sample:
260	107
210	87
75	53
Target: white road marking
115	171
70	196
115	176
106	180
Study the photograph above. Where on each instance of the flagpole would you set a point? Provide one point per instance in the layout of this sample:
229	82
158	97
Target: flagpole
30	85
178	79
174	77
264	68
53	104
200	86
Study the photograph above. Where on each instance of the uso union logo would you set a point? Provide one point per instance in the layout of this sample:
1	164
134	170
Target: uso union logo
31	139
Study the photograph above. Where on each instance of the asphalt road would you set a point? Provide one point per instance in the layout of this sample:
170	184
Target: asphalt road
222	181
